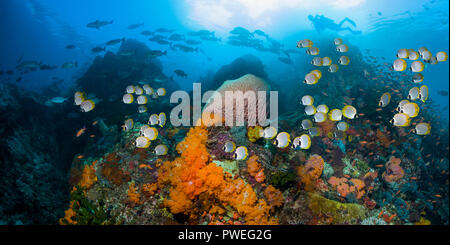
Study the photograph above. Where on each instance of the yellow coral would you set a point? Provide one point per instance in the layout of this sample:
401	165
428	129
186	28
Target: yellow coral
254	133
423	221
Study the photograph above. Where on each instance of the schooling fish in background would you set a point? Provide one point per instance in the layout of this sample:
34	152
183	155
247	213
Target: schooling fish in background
443	92
97	24
285	60
135	26
115	41
68	65
147	33
70	46
180	73
192	42
98	49
184	48
47	67
155	53
81	131
29	64
200	33
210	38
164	30
176	37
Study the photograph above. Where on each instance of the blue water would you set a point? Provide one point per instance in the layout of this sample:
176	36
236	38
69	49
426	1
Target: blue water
40	29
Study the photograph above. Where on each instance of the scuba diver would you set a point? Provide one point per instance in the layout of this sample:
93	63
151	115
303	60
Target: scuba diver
321	23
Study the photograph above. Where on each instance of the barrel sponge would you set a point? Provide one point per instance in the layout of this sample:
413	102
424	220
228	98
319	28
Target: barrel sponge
245	83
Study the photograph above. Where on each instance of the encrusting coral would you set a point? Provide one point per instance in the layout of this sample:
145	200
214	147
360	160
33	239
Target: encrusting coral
196	184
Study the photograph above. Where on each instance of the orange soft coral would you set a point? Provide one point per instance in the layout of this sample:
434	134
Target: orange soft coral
254	169
149	189
345	187
88	178
133	195
273	196
69	214
311	171
393	170
194	183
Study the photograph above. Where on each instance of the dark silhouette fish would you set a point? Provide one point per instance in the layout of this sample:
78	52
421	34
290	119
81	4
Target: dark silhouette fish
135	26
180	73
147	33
97	24
176	37
155	53
443	92
240	31
192	42
201	33
47	67
115	41
98	49
285	60
163	30
70	46
185	48
210	38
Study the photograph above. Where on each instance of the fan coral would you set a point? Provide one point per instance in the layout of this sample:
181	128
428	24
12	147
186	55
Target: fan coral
273	196
254	169
196	184
254	133
326	127
393	170
383	138
311	171
243	84
88	177
113	173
